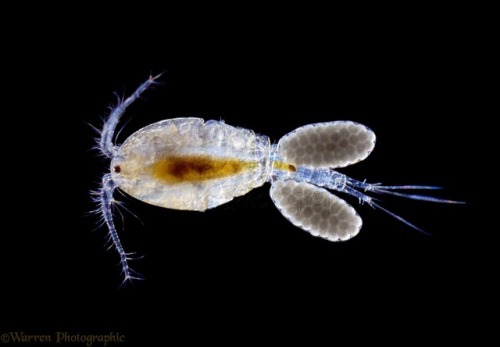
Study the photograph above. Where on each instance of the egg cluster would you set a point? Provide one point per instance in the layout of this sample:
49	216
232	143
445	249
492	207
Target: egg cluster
316	210
334	144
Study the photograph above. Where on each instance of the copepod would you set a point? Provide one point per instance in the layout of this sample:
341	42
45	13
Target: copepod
193	164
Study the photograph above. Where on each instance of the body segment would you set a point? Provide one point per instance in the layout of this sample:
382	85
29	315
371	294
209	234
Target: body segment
190	164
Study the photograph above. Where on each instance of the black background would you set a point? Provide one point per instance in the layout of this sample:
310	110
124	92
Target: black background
242	268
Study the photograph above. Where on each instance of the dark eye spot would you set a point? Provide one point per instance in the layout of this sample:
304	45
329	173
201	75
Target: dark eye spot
117	169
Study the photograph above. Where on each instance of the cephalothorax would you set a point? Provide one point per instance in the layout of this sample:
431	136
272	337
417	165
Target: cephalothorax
192	164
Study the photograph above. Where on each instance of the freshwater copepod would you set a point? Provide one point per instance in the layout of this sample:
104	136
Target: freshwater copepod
192	164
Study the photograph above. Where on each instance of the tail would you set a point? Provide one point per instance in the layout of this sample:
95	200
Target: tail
352	186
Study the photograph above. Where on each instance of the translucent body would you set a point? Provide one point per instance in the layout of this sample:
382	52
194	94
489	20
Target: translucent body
190	164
